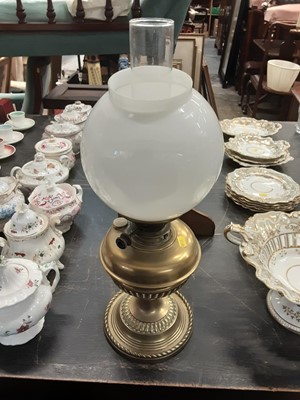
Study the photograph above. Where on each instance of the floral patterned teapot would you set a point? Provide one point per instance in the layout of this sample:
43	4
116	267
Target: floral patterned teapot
10	196
60	200
25	298
35	172
34	236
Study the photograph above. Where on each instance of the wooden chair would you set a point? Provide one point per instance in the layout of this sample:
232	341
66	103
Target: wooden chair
282	42
249	62
206	87
44	31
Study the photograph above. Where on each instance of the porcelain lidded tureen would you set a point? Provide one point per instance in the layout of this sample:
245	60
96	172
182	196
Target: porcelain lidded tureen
73	115
35	172
80	107
60	200
10	196
33	235
55	148
25	297
66	130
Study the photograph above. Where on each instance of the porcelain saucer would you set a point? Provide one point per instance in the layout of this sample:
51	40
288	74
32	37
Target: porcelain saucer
29	123
8	151
15	138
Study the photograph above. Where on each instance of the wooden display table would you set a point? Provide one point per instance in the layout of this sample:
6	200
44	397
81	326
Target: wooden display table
237	349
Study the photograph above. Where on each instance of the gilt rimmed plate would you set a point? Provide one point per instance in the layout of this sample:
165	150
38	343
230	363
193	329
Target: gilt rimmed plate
263	185
261	127
257	148
250	163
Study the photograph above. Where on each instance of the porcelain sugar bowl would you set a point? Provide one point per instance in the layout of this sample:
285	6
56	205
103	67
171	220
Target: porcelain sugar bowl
66	130
25	297
60	200
35	172
76	114
33	235
79	107
10	196
59	149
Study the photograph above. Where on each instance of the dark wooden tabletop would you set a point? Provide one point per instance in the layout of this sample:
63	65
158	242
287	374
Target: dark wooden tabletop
236	344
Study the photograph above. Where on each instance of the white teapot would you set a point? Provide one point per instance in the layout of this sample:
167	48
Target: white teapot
59	149
33	235
60	200
10	196
25	298
35	172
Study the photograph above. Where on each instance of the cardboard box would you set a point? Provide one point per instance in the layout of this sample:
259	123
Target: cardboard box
6	106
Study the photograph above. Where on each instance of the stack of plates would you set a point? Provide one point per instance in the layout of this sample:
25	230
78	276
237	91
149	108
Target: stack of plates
239	125
249	150
262	189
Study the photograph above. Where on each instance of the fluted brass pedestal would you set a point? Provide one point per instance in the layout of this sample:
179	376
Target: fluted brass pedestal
149	319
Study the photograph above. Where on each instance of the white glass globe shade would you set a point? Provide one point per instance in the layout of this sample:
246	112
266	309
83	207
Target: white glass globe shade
152	151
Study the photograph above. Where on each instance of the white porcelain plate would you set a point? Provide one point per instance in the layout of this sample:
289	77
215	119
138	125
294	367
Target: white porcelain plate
236	126
15	137
29	123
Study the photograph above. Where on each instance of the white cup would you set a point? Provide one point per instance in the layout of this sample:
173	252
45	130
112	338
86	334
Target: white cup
17	118
6	132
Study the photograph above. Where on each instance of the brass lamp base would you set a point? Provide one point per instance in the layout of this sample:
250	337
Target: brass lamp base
150	341
149	319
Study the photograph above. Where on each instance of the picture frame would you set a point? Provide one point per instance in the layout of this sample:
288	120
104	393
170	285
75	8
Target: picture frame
189	51
177	64
5	68
229	57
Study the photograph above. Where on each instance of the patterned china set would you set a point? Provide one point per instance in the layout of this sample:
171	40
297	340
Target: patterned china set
255	186
270	239
32	239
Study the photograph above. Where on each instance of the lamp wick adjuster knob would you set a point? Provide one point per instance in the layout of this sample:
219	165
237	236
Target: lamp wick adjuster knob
123	241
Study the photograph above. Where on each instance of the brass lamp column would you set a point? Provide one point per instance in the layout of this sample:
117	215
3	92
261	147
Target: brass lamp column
149	319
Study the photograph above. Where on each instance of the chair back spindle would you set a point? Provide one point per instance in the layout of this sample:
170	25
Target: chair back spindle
50	12
20	12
